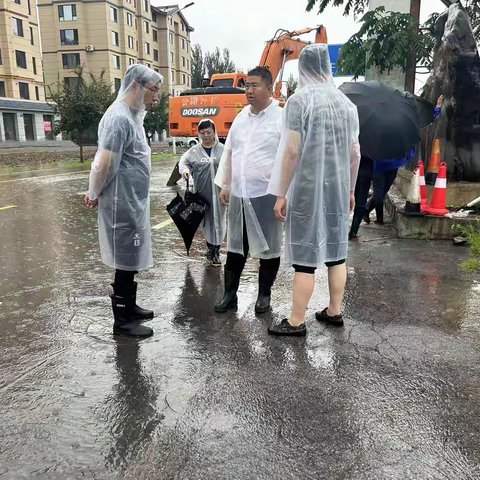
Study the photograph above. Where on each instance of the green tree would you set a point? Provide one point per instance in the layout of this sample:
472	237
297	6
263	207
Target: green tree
198	66
219	62
81	105
156	120
292	84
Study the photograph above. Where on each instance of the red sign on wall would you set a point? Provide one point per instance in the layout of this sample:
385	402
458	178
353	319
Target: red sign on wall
47	126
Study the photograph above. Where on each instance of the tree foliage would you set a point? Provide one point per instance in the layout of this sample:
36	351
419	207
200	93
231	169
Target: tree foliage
198	66
292	84
156	120
219	62
385	41
80	106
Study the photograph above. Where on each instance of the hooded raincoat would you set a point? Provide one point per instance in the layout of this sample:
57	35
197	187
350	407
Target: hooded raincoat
317	163
120	175
203	168
245	170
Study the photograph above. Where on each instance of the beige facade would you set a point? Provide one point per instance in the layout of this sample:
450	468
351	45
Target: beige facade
22	93
111	35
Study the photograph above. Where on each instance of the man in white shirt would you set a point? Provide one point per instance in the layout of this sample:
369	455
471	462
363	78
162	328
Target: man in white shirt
244	174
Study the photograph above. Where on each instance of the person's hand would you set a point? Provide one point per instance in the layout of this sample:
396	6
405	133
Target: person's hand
440	101
224	196
91	204
185	175
280	208
352	202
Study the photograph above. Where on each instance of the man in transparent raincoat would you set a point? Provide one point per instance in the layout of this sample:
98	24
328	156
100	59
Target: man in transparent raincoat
317	163
119	185
243	175
201	161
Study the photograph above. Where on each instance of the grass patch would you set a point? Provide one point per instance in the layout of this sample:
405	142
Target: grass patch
8	170
471	231
165	156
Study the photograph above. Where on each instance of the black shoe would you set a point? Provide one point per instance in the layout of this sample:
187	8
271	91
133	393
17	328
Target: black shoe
336	320
285	329
208	252
229	300
216	256
266	278
369	207
124	323
137	313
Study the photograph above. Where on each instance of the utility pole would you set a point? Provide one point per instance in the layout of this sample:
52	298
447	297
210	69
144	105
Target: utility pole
411	69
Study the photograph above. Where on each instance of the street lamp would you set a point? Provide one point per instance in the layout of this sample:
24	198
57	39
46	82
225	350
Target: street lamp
170	14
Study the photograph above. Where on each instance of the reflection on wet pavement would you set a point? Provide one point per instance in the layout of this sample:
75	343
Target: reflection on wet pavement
393	395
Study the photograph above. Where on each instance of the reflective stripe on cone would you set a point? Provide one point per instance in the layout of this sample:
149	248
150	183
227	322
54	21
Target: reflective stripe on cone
423	189
412	206
439	200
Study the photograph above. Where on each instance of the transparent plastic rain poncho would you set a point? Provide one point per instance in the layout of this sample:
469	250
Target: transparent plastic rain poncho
203	169
245	171
317	163
120	175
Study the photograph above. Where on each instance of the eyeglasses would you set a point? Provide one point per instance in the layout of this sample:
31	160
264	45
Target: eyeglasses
155	91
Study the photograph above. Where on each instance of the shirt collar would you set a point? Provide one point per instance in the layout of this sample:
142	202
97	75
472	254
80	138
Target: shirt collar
263	112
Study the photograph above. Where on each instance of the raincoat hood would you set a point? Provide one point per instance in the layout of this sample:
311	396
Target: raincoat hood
314	66
210	121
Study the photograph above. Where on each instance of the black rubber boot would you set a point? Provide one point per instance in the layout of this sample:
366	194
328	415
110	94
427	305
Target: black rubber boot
216	256
357	219
124	323
266	278
137	313
209	251
229	300
370	206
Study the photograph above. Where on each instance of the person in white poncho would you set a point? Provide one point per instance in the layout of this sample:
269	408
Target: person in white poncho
119	185
201	161
317	164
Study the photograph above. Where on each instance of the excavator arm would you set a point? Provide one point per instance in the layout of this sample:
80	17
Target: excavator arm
284	47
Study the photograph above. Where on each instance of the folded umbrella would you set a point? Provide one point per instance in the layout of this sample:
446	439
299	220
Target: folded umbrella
389	121
187	215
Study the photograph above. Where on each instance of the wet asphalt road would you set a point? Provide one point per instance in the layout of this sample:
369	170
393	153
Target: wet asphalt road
393	395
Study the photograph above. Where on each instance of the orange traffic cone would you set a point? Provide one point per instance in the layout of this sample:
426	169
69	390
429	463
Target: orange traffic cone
433	163
439	199
423	189
412	206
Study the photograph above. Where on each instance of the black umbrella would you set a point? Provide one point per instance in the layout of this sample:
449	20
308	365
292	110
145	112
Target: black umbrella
389	122
187	215
425	110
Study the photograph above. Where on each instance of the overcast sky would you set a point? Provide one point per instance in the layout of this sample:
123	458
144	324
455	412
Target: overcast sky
244	27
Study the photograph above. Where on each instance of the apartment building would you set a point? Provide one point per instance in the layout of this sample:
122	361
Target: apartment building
24	114
111	35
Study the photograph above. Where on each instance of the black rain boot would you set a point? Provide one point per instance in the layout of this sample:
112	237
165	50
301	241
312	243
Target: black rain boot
209	251
357	219
379	212
266	278
216	256
124	323
370	206
137	313
229	300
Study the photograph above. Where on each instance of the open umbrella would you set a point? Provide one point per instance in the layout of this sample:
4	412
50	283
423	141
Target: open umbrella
389	121
187	215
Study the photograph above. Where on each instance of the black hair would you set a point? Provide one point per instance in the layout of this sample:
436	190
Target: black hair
262	72
206	124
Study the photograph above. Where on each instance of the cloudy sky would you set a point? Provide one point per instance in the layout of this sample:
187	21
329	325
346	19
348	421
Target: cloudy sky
245	26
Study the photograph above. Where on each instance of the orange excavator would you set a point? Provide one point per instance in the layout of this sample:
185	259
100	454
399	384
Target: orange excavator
224	98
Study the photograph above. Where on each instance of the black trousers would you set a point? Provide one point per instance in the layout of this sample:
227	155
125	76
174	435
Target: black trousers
124	282
362	187
311	270
236	262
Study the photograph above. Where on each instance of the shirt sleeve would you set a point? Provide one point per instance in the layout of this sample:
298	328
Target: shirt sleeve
294	114
116	133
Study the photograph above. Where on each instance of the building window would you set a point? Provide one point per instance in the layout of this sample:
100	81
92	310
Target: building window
69	37
32	42
1	61
183	27
130	42
131	61
173	76
24	91
71	61
156	69
147	27
155	35
188	81
116	62
113	15
71	82
118	84
136	24
183	79
115	40
146	5
171	38
17	2
129	19
29	7
188	65
34	64
67	13
183	43
183	62
148	65
37	93
17	26
188	47
2	89
21	59
171	21
154	17
147	48
155	55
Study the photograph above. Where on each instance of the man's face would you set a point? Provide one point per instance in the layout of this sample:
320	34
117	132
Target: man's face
257	90
152	92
